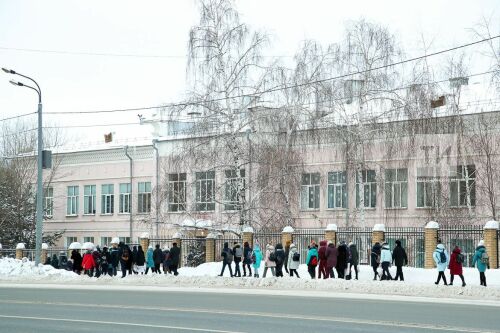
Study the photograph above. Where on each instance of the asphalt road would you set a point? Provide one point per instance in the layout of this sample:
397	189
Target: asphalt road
49	310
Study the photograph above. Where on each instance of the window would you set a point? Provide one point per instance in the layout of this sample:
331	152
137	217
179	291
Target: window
88	239
369	190
107	199
70	240
309	194
89	192
125	198
337	189
177	192
144	197
396	188
126	240
353	89
462	184
48	202
234	193
205	191
72	201
428	188
105	241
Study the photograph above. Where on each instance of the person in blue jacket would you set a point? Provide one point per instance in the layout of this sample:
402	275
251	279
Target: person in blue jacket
312	260
150	263
480	263
442	259
386	260
257	255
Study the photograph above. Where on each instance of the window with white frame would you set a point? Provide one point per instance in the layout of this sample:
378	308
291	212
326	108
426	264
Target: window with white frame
71	239
205	191
107	199
88	239
89	199
368	190
125	240
309	193
462	184
396	188
234	190
48	201
144	197
106	241
337	189
72	201
176	195
124	198
428	188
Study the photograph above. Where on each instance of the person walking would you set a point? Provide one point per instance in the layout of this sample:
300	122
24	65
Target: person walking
175	253
341	260
150	262
134	259
88	263
167	262
481	261
442	259
375	259
140	260
77	261
269	260
256	259
54	262
312	260
96	255
293	260
247	259
386	260
157	258
331	259
106	261
238	256
280	259
124	260
322	259
456	262
353	259
400	259
227	259
287	253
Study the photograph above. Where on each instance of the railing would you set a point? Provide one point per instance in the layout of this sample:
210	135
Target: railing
193	251
465	237
362	237
219	244
302	238
412	240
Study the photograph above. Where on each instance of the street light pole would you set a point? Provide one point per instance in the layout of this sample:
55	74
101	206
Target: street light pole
39	179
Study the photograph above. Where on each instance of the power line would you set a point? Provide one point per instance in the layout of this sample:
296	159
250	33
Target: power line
286	87
18	116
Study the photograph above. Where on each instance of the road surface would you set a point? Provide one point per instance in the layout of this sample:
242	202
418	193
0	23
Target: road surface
73	310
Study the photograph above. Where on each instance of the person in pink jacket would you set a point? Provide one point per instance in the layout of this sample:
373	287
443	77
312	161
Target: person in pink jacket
269	260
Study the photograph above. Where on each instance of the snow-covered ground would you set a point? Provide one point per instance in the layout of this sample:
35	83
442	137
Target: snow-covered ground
418	282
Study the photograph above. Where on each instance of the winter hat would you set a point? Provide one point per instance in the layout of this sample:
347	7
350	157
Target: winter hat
398	242
481	243
351	243
150	246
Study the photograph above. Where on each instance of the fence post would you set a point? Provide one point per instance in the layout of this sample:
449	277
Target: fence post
378	233
177	238
431	238
43	255
287	235
491	242
248	236
210	247
0	250
19	250
331	233
144	241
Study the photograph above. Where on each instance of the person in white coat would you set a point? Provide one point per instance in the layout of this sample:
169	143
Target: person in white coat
293	264
386	260
442	259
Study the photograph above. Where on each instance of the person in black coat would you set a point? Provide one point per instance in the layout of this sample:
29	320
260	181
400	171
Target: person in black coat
400	259
157	258
341	260
115	259
175	253
375	258
134	259
238	256
279	252
106	261
227	259
125	257
247	259
77	261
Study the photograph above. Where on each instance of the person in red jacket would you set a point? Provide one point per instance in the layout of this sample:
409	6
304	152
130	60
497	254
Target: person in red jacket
455	266
322	260
88	263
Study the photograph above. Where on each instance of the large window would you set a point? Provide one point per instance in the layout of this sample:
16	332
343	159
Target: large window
48	201
125	198
309	193
107	199
71	239
205	191
396	188
144	197
234	191
89	193
428	188
177	192
125	240
337	189
72	201
88	239
106	241
462	185
369	189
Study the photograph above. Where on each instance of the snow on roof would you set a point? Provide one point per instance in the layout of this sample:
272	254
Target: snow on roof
379	227
491	225
331	227
212	235
197	223
288	229
432	225
20	246
144	235
248	229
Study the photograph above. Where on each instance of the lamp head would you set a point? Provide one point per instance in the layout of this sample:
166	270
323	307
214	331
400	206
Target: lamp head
8	71
16	83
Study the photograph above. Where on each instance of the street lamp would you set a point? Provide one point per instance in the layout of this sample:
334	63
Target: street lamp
39	188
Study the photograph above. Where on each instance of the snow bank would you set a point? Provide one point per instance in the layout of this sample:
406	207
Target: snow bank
248	229
432	225
491	225
288	229
19	270
379	227
20	246
331	227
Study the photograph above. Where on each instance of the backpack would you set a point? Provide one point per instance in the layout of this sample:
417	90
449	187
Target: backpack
229	255
460	258
313	261
238	252
485	259
296	256
249	255
376	257
272	256
280	257
442	257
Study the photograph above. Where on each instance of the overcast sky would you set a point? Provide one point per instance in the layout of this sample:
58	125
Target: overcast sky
156	32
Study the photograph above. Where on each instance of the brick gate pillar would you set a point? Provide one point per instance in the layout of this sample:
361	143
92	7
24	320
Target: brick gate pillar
43	255
431	238
19	250
287	235
331	233
144	241
378	233
210	247
490	235
248	236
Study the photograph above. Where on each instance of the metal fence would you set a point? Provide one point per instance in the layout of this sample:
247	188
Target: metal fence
264	238
466	237
362	237
193	251
302	238
412	240
219	244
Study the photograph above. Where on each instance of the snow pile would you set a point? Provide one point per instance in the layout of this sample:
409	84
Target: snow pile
15	269
491	225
